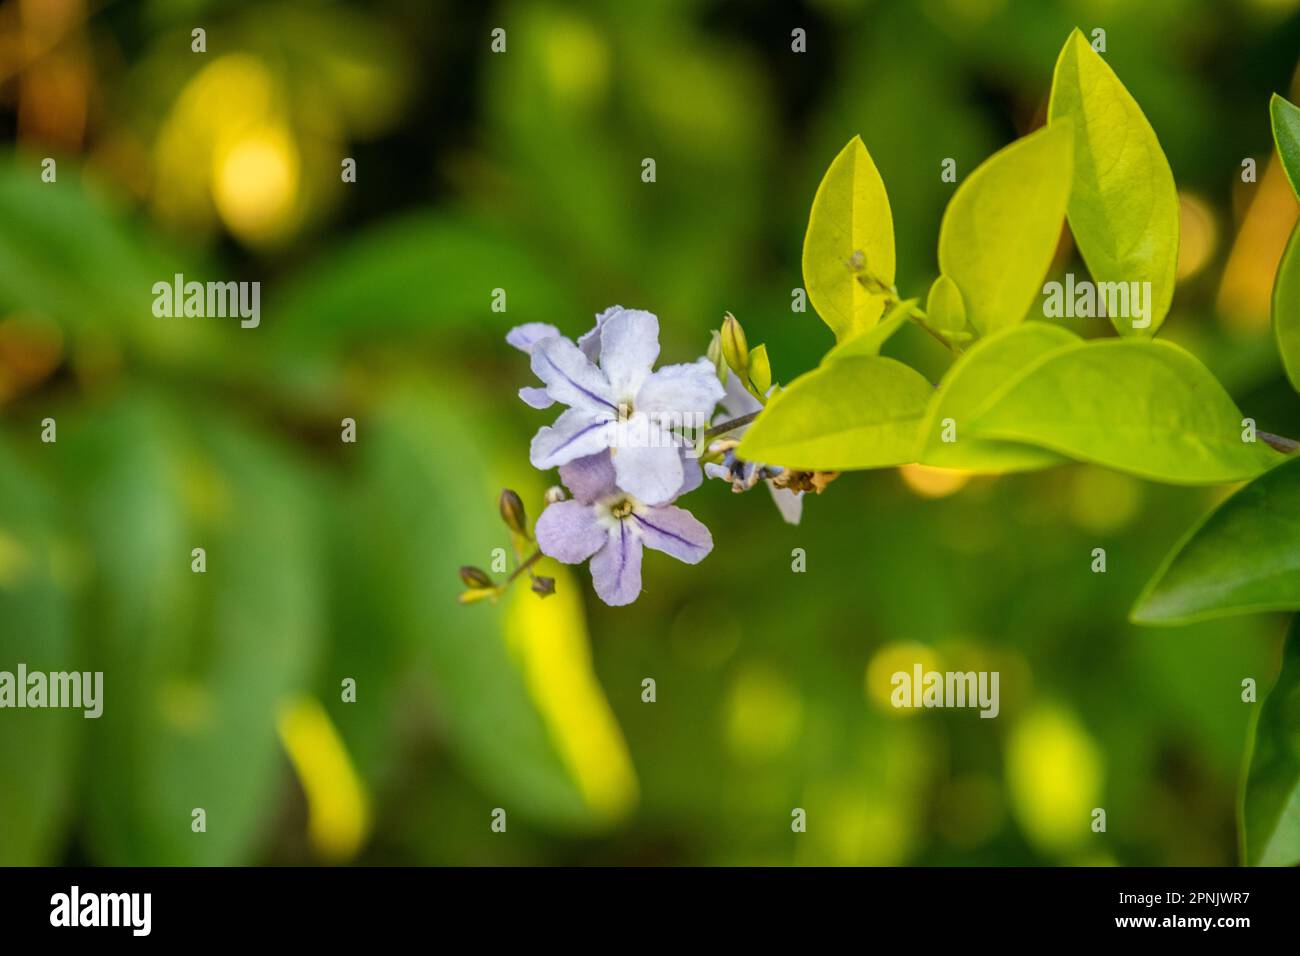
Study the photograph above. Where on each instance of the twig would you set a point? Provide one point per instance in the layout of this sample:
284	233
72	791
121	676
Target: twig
1285	445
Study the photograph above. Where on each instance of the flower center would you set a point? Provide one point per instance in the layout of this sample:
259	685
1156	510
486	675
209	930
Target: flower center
621	508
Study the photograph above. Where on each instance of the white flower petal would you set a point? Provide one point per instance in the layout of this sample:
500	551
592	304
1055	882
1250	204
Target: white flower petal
525	337
571	379
687	393
575	434
536	397
629	346
692	475
589	342
789	503
737	402
650	473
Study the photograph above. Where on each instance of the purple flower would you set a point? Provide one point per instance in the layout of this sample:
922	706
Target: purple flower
610	527
743	475
621	404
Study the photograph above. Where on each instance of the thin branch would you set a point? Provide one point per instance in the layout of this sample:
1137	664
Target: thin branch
524	566
730	426
1286	446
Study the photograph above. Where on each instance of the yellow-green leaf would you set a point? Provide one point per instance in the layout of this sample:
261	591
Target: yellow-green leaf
1286	134
857	413
848	251
971	383
871	341
1270	807
944	310
1286	309
1242	559
1123	205
1002	227
1147	408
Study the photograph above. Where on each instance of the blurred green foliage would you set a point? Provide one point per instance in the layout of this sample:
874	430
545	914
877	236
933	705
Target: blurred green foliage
327	560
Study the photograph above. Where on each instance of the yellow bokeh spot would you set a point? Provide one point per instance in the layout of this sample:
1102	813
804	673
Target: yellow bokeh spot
888	661
1245	294
549	638
186	706
338	810
929	482
255	182
856	825
226	146
1101	501
575	59
1198	234
1054	774
764	714
14	561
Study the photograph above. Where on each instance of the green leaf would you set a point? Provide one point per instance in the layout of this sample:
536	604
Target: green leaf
549	744
196	664
848	251
1002	227
417	276
1123	206
1286	308
856	413
873	339
1147	408
36	746
944	310
1244	557
972	381
1286	133
1270	810
66	254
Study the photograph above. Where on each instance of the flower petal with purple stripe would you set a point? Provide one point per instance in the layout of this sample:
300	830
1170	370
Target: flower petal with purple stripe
675	532
570	378
589	479
569	531
575	434
616	568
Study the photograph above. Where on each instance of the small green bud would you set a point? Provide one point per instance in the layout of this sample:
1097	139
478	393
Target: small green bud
475	578
513	514
760	371
734	347
715	355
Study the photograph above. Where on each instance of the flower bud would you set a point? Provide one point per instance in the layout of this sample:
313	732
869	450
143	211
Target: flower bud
760	371
734	347
715	355
475	578
513	514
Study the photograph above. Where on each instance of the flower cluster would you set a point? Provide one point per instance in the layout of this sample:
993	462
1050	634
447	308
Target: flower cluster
630	441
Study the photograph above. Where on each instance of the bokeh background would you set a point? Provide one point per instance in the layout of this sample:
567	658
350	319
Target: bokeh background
327	561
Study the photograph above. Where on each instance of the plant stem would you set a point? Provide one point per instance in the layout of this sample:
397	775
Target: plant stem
1286	446
730	426
524	566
